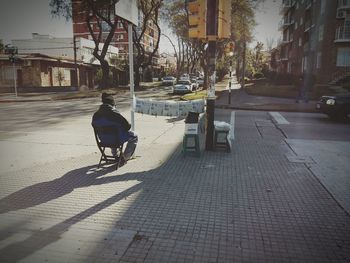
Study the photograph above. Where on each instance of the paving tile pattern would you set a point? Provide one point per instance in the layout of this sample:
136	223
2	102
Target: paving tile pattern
252	205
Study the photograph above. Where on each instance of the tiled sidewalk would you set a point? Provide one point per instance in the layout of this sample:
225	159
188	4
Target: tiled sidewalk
252	205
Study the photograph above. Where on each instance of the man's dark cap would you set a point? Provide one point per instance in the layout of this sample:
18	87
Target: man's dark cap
108	99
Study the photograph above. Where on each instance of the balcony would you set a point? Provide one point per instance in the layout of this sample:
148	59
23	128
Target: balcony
285	22
343	4
284	57
307	26
286	4
308	4
342	34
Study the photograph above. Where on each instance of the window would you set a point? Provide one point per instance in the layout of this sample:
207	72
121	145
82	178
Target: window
343	57
301	20
105	26
304	63
320	32
120	37
318	60
66	74
323	6
300	41
7	73
120	25
296	25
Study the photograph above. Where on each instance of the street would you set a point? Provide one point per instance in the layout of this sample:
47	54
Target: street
281	195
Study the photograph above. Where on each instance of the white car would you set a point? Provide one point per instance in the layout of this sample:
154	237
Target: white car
168	81
184	77
195	84
183	87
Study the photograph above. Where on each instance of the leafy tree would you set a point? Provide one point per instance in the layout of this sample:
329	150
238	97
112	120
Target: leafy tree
97	14
189	53
175	15
242	24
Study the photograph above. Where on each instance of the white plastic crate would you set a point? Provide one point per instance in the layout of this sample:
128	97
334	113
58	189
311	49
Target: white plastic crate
191	128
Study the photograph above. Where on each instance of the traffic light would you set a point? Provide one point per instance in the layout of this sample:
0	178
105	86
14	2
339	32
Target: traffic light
11	50
13	58
197	19
224	19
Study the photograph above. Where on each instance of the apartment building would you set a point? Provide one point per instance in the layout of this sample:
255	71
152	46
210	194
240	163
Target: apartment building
120	38
315	39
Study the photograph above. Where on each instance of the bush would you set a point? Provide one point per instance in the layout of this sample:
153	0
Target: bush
148	76
284	79
258	75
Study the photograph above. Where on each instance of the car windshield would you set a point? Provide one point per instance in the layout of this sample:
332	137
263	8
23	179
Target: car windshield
168	78
184	82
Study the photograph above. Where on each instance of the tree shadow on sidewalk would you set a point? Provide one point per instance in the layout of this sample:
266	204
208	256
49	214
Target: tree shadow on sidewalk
46	191
166	180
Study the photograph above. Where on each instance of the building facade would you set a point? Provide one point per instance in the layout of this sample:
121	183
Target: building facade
120	38
315	39
63	48
37	72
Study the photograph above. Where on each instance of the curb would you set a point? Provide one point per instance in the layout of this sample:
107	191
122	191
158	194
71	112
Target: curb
227	107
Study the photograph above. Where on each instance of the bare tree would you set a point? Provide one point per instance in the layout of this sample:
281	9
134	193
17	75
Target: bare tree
101	21
144	57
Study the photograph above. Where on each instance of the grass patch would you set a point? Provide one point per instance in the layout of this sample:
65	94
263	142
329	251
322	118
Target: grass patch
288	91
195	96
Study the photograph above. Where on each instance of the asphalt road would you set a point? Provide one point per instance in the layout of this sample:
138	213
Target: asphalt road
39	132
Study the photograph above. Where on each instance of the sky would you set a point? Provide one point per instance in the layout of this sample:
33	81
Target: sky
20	18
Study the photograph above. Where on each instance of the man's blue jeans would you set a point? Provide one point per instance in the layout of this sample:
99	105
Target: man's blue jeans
130	146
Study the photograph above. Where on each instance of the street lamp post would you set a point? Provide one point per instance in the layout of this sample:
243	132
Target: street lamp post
230	79
14	76
12	51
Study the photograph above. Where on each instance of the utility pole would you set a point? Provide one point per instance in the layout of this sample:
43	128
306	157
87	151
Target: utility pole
14	76
12	51
229	83
209	21
211	56
131	72
244	64
75	60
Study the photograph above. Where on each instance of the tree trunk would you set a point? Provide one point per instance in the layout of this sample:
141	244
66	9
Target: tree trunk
105	75
137	78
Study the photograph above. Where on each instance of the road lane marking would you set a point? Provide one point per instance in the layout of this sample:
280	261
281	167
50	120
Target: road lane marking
278	117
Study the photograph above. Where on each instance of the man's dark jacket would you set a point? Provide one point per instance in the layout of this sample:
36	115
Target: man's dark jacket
107	115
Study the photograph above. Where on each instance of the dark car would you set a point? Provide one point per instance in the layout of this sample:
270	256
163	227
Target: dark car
337	107
168	81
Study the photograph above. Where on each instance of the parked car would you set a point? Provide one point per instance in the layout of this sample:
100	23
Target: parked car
337	107
184	77
183	87
200	81
195	84
168	81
